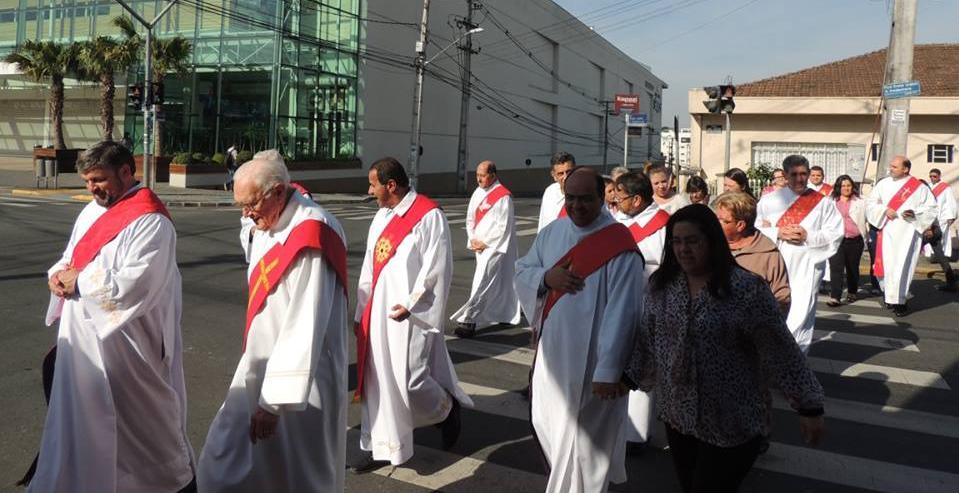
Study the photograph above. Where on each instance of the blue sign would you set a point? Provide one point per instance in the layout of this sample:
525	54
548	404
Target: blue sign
638	119
901	90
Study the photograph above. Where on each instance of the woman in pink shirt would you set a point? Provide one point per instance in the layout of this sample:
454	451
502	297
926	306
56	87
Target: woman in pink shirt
853	210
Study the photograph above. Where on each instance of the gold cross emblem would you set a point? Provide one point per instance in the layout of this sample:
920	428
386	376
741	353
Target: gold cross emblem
262	279
382	250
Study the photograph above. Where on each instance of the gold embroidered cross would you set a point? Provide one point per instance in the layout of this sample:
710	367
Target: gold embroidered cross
263	279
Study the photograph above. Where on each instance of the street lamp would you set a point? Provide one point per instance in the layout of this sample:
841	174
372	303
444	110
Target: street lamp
421	62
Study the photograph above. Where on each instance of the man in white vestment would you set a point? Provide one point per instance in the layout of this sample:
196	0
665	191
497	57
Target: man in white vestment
117	415
663	193
282	426
948	210
405	376
561	164
586	320
647	223
491	236
807	229
901	207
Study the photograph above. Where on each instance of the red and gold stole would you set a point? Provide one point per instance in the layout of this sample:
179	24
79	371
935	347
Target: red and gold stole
384	250
657	222
906	191
826	189
800	208
494	195
589	254
939	188
117	217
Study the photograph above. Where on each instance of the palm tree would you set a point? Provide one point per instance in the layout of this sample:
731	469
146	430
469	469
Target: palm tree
100	59
169	55
42	60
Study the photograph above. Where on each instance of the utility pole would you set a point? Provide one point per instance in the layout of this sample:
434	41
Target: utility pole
149	106
465	89
727	129
895	115
626	140
605	104
420	63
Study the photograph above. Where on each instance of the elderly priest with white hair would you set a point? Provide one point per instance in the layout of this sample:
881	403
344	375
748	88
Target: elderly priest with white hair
282	427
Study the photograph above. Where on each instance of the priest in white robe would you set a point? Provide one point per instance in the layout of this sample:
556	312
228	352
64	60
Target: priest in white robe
647	223
810	232
901	207
117	414
406	377
561	164
948	209
282	426
491	236
577	409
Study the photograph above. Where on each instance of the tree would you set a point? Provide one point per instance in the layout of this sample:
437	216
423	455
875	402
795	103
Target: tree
48	60
169	55
100	59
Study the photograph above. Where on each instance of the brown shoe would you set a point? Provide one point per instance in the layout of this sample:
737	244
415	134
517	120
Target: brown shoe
833	302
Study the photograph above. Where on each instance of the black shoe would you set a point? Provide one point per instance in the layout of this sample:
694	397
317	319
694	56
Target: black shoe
763	444
948	288
450	427
900	310
465	331
525	392
365	464
634	449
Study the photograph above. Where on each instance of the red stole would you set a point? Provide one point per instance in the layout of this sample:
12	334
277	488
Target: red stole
939	188
657	222
117	217
800	208
309	234
562	211
498	192
591	253
906	191
826	189
391	237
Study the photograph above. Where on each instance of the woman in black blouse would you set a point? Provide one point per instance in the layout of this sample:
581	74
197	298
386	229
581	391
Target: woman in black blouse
712	336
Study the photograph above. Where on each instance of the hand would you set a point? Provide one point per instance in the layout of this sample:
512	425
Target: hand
262	425
63	283
56	286
812	429
562	279
765	224
400	313
609	391
477	245
909	215
891	214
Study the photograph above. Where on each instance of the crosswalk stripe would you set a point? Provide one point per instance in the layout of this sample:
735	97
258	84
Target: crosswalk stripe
16	204
494	350
456	221
857	318
877	372
865	340
527	232
859	303
356	216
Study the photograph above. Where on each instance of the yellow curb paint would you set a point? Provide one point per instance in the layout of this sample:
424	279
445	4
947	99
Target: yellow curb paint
82	198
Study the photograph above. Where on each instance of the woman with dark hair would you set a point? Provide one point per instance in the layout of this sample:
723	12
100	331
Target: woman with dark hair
736	180
697	190
853	211
711	337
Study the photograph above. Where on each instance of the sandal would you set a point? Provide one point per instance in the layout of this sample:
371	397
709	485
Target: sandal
851	298
833	302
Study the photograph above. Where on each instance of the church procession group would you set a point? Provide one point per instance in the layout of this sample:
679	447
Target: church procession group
637	305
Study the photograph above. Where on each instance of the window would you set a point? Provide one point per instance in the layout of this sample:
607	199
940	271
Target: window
874	152
939	153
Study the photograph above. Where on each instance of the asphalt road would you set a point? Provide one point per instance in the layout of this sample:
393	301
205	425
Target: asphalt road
892	414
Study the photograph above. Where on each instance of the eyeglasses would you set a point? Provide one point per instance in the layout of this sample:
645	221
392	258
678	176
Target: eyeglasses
620	199
255	205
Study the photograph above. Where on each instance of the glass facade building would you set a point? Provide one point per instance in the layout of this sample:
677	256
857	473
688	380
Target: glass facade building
263	73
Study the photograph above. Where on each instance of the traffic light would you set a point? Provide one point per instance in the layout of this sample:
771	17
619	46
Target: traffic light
158	93
135	96
720	98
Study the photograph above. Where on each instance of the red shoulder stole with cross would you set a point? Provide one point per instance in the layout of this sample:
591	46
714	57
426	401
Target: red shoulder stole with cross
494	195
117	217
800	208
309	234
385	248
591	253
939	188
657	222
825	190
906	191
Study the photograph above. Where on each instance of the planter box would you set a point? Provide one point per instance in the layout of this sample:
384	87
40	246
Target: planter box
162	167
66	158
197	176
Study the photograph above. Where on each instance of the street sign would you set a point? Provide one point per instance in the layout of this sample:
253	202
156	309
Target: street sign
638	119
901	90
635	131
626	102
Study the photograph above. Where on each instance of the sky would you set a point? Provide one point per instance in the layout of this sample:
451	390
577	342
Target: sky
695	43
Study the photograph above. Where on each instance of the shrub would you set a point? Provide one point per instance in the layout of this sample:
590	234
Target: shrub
218	159
243	156
181	158
199	158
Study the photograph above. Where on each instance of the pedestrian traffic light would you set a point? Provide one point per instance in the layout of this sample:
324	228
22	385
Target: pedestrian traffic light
720	98
158	93
135	95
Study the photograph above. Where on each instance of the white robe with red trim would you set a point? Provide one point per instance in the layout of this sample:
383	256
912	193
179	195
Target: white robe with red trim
587	338
902	238
806	262
549	209
409	380
948	212
295	365
492	296
117	415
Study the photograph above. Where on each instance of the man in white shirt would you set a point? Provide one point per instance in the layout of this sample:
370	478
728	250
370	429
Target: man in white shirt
561	164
